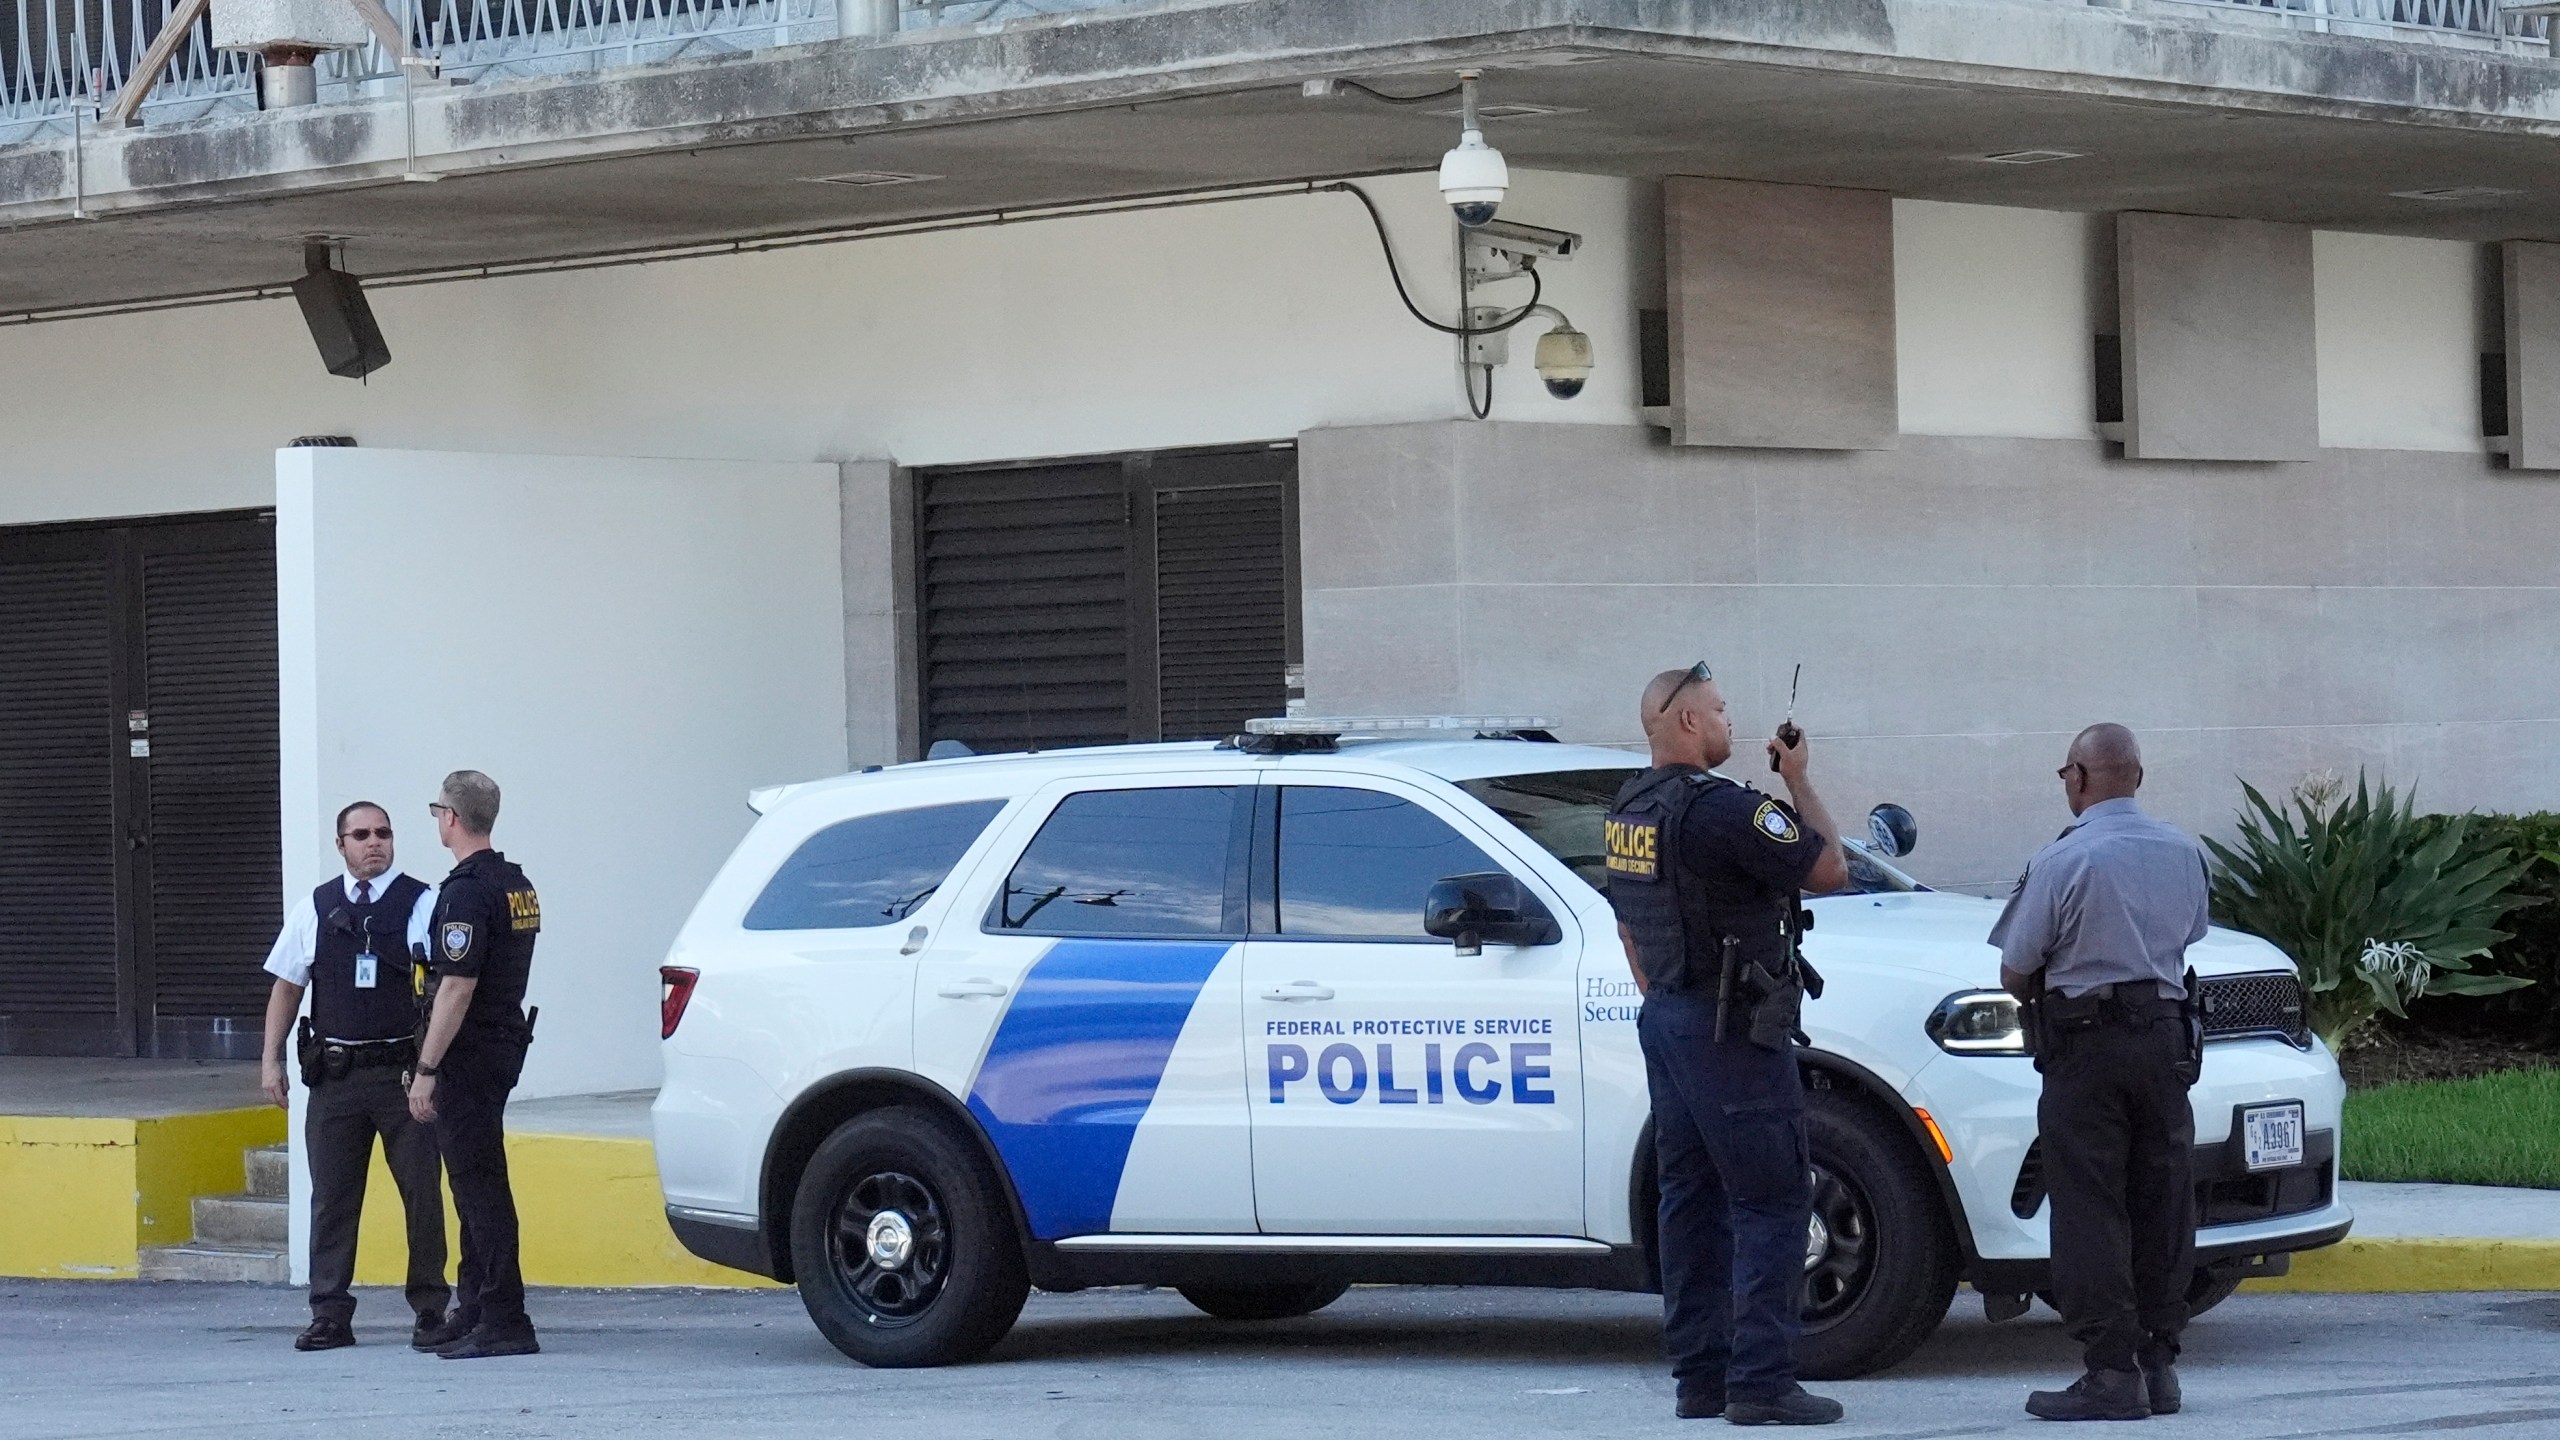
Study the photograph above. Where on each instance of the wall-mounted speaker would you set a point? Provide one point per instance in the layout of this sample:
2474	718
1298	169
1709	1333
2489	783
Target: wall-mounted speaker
342	325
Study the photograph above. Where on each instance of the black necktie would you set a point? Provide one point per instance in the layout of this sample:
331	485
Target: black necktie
364	892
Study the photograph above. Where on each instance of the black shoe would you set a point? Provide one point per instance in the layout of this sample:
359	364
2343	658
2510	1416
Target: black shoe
1699	1402
435	1331
2160	1376
489	1340
2098	1395
325	1335
1796	1407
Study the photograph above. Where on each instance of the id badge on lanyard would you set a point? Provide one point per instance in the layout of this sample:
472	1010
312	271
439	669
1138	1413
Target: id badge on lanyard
367	969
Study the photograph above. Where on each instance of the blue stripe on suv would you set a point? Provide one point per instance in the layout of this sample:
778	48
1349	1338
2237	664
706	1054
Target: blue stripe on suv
1074	1065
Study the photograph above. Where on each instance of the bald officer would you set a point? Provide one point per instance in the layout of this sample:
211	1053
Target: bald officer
2097	935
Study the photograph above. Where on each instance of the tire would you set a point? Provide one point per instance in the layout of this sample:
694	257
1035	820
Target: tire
1264	1302
2210	1288
957	1282
1887	1262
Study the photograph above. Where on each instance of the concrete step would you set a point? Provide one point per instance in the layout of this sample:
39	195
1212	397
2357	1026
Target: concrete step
270	1171
215	1263
243	1221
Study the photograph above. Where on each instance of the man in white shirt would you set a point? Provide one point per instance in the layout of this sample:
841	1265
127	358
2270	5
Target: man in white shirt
356	944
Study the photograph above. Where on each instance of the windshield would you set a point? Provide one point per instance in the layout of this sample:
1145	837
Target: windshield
1562	811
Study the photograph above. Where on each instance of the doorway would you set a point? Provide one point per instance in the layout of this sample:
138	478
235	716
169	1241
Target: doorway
139	854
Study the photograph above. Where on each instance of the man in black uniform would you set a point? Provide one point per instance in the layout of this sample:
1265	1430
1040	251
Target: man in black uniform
1705	876
349	944
486	918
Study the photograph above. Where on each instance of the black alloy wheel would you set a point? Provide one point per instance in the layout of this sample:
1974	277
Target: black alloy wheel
1881	1258
1840	1250
904	1242
891	1246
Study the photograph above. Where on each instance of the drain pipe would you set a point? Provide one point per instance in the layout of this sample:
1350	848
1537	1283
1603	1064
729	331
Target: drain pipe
866	18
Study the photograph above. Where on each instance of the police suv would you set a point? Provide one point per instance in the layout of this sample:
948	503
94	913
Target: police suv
1342	1002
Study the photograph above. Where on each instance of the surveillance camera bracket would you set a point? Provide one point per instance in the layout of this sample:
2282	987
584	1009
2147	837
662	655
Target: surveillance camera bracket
1486	259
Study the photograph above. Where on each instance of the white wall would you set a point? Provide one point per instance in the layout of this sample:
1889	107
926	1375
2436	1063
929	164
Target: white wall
2400	337
1993	310
1210	324
626	646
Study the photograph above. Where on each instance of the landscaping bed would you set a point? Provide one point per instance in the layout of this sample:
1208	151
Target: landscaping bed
2501	1128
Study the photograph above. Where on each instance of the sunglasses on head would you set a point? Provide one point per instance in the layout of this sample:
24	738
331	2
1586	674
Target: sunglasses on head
1696	673
378	831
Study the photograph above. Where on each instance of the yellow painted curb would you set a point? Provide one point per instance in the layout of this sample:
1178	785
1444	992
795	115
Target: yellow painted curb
84	1196
590	1212
2387	1265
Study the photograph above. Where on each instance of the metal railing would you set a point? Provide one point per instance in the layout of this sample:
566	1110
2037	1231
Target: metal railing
60	55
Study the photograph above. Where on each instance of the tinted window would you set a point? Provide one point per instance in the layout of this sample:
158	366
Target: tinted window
1356	863
1562	810
1124	862
871	871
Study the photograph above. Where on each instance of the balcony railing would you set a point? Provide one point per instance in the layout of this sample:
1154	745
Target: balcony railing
58	55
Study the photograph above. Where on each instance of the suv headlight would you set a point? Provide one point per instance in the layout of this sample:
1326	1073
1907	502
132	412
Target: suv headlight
1979	1022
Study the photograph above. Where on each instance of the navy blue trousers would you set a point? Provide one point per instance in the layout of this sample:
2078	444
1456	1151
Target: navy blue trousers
1737	1199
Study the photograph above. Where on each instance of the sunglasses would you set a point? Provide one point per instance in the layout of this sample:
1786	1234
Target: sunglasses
438	807
2064	774
1696	673
381	831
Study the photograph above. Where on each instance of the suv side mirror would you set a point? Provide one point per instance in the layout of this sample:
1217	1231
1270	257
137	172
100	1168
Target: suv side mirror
1892	831
1492	908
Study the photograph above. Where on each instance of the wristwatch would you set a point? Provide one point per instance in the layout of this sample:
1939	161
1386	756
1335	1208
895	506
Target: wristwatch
430	1071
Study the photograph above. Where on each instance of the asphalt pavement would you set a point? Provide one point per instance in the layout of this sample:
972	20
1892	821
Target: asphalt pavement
94	1359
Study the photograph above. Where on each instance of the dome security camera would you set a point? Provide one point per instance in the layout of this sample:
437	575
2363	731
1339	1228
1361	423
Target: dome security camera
1564	359
1473	177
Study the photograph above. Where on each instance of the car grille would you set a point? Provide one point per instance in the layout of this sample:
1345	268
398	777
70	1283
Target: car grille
2226	1192
2267	1004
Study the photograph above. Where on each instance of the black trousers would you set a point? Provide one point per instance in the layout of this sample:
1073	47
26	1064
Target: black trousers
1737	1199
339	1126
2119	1145
471	1125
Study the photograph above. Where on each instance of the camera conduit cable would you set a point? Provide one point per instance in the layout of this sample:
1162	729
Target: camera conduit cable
1537	282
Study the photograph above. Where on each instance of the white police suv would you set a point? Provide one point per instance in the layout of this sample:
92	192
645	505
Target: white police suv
1263	1020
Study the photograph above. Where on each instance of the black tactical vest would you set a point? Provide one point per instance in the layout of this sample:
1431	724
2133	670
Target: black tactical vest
340	1009
1677	941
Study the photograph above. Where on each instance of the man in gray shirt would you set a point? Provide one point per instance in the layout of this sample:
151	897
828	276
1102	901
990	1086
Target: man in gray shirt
2097	934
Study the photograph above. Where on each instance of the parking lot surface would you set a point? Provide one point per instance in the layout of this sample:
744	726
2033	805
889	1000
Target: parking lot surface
118	1359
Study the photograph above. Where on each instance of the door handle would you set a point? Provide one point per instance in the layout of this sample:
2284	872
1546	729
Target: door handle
976	987
1299	990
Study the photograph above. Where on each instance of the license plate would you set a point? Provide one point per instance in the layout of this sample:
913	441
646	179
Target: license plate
2271	1136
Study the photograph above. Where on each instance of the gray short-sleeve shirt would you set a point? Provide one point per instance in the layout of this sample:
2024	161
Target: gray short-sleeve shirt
2117	897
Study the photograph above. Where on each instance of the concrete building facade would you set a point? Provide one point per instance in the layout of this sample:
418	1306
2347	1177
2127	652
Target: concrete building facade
2195	425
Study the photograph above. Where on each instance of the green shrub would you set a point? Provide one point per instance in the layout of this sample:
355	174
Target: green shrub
2532	949
2375	906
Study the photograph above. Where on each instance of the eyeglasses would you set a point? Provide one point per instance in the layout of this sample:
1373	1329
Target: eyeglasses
381	831
438	807
2064	774
1696	673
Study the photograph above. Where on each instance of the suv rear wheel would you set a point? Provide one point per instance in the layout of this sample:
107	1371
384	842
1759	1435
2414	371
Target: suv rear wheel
1264	1302
1880	1262
903	1246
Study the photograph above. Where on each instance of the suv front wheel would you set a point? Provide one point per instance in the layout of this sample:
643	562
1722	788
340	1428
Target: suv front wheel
1880	1264
903	1246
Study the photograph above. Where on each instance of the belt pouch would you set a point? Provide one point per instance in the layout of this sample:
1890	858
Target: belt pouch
306	1052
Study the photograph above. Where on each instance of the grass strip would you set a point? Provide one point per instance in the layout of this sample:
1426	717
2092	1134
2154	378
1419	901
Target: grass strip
2501	1129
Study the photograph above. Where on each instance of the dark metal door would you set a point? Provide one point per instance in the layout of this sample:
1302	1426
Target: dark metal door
1100	602
138	786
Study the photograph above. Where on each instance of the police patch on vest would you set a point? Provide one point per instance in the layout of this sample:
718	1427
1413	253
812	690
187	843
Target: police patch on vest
524	911
1773	822
457	939
1634	847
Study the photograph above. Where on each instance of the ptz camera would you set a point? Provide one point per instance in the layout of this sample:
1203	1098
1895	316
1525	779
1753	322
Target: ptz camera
1473	177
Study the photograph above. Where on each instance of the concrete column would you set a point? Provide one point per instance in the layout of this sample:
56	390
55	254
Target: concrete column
2219	351
866	17
1781	301
881	700
2533	354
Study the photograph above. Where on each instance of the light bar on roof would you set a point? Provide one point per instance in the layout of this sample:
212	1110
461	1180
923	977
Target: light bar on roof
1394	724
